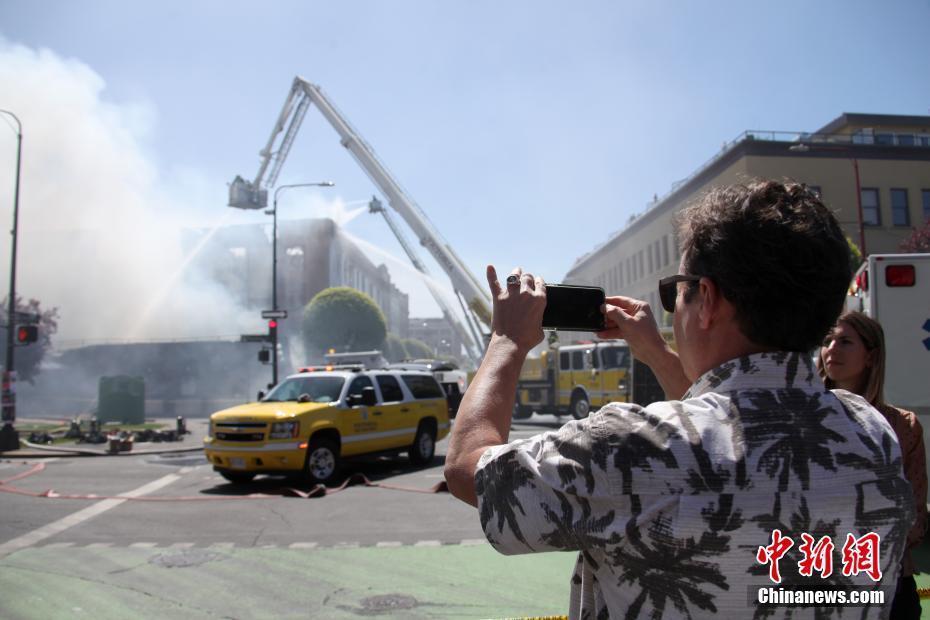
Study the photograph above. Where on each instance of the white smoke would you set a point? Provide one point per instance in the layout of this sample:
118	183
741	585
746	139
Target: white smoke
97	238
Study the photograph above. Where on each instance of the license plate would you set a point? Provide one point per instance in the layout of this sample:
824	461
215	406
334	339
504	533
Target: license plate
236	463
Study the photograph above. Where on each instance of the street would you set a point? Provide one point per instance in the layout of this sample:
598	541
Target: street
188	544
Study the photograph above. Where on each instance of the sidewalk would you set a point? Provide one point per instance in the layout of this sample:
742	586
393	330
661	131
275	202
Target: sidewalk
191	442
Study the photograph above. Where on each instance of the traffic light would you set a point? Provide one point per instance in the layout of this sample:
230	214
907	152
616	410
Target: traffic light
273	330
26	334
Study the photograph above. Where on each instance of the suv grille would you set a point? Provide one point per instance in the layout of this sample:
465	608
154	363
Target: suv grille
240	436
232	431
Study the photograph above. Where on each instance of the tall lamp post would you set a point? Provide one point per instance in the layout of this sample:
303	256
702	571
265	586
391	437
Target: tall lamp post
9	439
274	270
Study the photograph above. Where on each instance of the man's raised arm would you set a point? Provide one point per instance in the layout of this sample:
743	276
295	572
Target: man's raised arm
484	416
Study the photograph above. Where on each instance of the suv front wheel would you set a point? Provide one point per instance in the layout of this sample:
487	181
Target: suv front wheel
322	462
424	445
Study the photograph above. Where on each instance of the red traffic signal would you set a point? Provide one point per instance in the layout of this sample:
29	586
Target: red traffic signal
272	324
26	334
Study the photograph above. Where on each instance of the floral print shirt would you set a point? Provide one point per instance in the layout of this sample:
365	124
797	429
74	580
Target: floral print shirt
668	505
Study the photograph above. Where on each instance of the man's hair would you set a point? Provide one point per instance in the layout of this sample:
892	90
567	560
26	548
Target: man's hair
776	253
873	339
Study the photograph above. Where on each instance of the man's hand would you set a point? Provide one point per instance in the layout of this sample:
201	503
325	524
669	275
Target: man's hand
484	416
517	308
632	320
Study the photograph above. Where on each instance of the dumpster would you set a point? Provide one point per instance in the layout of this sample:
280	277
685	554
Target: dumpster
121	399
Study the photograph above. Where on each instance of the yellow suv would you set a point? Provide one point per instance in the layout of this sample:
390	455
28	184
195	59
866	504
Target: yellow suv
313	419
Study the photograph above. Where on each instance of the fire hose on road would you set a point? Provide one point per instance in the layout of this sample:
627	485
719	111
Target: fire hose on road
318	490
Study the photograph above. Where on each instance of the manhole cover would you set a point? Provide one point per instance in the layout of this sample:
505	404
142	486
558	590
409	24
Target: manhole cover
184	559
388	602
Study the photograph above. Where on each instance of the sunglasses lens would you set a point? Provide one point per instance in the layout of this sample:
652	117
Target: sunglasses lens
667	293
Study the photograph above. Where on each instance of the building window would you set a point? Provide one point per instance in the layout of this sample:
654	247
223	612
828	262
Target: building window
905	139
649	255
665	251
871	213
642	265
884	138
899	214
925	198
923	140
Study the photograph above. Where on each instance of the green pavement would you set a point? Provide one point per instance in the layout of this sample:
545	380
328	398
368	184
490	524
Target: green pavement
405	582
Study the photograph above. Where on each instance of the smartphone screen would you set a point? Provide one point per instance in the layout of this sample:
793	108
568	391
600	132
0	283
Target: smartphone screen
573	308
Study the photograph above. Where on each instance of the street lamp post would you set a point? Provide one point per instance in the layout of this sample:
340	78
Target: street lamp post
9	439
274	267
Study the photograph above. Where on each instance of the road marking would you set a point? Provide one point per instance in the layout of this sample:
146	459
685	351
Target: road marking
103	545
390	543
184	545
346	545
471	542
59	545
143	545
303	545
59	526
427	543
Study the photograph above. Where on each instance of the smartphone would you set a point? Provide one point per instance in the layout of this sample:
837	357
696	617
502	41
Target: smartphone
573	308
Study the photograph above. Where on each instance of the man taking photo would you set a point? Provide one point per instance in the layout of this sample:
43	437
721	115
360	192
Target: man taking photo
686	508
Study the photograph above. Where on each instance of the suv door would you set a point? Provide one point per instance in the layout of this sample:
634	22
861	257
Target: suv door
361	426
399	417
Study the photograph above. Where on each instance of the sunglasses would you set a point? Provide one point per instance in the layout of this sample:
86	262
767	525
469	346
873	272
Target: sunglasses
668	290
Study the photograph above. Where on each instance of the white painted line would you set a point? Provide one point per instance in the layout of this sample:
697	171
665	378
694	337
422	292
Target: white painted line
184	545
427	543
143	545
223	545
186	470
472	542
59	526
390	543
58	545
346	545
103	545
303	545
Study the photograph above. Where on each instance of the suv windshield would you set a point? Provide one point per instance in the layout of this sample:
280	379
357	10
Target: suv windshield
319	389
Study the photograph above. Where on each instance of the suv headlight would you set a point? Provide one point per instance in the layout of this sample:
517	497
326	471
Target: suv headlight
284	430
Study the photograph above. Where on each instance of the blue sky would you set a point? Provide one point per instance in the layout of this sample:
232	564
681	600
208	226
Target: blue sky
527	131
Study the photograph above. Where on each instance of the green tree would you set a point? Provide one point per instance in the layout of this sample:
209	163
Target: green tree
344	319
855	254
417	349
28	358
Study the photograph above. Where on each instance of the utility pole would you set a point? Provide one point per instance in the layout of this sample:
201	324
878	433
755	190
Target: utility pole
9	438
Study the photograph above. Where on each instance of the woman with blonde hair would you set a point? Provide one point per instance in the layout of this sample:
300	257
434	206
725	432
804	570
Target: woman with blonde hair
853	358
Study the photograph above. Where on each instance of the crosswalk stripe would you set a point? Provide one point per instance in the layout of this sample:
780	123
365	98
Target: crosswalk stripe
303	545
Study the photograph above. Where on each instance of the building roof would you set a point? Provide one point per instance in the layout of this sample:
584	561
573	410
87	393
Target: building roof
879	120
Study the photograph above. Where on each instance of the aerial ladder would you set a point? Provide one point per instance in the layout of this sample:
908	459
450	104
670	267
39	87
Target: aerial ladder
375	206
253	194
